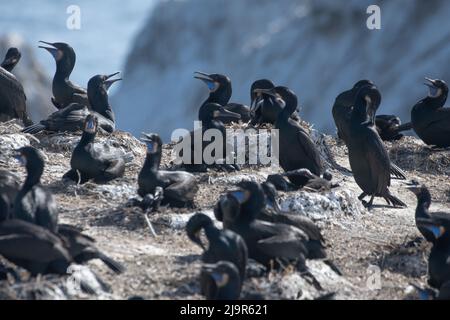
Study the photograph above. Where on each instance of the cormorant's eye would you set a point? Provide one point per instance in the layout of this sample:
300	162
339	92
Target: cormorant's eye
150	146
21	159
211	86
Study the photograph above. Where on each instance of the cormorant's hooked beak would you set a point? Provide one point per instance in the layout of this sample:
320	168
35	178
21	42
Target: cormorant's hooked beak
152	145
435	91
55	52
256	103
109	82
206	78
224	113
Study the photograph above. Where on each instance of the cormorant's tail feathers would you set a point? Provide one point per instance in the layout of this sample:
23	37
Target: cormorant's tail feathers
397	173
396	202
112	264
35	128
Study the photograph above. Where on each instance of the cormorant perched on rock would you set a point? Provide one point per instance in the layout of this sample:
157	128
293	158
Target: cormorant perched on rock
33	248
34	203
179	187
72	117
386	125
312	181
82	248
12	96
220	92
9	187
93	161
223	245
368	157
439	259
296	149
430	120
263	107
64	91
220	281
210	115
266	241
422	211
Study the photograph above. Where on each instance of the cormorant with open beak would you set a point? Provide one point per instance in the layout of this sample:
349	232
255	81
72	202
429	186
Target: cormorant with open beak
430	120
12	95
296	149
422	211
220	92
72	117
368	156
34	203
179	187
223	245
220	281
64	91
94	161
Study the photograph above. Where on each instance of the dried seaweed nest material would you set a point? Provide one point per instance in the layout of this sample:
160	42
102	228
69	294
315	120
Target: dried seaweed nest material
323	206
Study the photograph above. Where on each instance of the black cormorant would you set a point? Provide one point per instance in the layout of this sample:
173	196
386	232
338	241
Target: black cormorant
368	157
223	245
263	107
312	181
33	248
220	281
220	92
64	91
13	101
385	125
94	161
210	115
296	149
82	248
34	203
72	117
430	120
266	241
179	187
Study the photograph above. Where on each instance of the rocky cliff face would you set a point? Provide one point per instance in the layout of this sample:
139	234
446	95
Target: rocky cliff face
318	48
36	83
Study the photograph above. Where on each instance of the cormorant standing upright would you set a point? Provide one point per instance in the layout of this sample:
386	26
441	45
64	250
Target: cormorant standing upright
430	120
220	92
368	157
64	91
386	125
34	203
13	101
296	149
72	117
179	187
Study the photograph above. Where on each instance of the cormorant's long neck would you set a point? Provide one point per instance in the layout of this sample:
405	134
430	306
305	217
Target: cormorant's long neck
221	96
8	66
34	174
359	113
87	138
211	232
153	161
434	103
100	104
287	111
64	69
